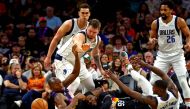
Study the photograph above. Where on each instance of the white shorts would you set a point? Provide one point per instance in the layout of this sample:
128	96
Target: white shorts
64	68
164	62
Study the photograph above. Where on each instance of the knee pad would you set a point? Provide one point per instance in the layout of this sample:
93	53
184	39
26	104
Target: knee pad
184	85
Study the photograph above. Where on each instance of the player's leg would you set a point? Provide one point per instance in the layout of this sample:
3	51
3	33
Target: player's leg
162	65
86	79
180	70
62	70
142	82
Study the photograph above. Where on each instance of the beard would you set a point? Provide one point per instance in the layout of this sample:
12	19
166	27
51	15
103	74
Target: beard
164	17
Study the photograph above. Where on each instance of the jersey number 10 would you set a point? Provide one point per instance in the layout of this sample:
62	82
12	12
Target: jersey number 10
171	39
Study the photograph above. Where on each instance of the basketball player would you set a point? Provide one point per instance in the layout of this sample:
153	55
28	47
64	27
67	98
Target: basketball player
167	29
56	92
167	93
67	30
86	41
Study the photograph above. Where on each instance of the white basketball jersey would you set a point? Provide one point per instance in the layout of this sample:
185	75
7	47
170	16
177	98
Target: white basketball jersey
73	31
169	36
66	50
171	103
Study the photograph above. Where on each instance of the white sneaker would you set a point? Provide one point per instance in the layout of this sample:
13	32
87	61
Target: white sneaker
18	103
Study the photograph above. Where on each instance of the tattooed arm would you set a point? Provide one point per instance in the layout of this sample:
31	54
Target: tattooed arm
96	56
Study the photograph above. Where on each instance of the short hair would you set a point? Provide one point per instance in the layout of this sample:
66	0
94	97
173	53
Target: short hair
161	84
52	80
169	3
83	5
95	23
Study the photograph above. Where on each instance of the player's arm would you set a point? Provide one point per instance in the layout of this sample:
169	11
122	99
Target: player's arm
65	27
171	86
141	98
76	69
184	28
153	32
60	101
75	100
96	56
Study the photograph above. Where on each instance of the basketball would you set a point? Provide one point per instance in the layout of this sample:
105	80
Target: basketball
39	103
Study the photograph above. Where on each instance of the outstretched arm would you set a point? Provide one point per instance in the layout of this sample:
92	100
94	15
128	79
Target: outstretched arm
171	86
76	69
65	27
96	56
143	99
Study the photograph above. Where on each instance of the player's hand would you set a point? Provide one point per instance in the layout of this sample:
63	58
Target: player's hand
111	75
74	49
153	41
80	96
85	47
47	62
187	47
103	72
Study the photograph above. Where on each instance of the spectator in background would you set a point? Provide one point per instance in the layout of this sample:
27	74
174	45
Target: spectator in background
4	44
116	67
9	31
105	61
122	32
108	32
22	44
32	62
130	49
142	12
4	66
43	30
131	32
32	39
153	5
16	51
20	29
119	45
150	48
53	21
109	52
15	86
35	86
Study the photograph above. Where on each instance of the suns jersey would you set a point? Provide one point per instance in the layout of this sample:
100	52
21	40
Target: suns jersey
171	103
169	36
66	50
74	30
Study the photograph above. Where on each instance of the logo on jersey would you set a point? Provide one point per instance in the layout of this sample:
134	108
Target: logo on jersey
170	34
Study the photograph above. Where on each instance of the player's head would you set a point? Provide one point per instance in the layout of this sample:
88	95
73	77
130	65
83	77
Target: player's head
91	98
55	84
160	86
84	11
93	28
166	9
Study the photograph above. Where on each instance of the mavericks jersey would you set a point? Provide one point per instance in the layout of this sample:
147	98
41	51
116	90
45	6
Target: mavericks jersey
66	50
171	103
169	36
74	30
